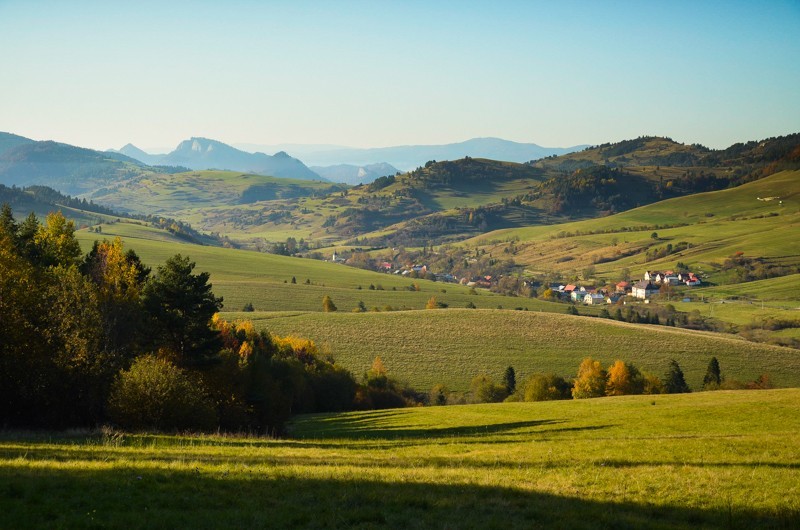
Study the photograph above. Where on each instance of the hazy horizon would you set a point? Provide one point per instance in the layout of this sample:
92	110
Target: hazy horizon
365	75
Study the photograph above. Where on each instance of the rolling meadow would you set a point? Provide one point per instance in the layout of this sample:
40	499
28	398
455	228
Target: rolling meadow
668	462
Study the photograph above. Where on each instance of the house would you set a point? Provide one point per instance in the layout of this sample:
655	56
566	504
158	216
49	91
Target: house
577	296
693	281
623	287
650	276
594	299
569	288
643	290
613	298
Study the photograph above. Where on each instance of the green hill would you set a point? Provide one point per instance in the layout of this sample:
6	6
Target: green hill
454	345
185	194
715	223
67	168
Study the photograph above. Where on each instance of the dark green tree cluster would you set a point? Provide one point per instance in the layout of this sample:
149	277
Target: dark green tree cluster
91	339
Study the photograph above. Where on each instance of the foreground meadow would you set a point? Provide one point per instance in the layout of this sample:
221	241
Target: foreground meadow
706	460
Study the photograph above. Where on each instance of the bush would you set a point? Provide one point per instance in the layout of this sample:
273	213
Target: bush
484	390
438	395
156	394
546	387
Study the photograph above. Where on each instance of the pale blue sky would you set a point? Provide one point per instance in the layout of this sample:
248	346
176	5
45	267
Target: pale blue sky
377	73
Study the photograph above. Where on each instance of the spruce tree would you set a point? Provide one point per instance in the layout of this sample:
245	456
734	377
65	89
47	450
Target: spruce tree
713	376
510	379
674	382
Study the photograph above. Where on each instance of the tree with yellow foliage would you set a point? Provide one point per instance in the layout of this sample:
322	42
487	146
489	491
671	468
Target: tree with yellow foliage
591	380
624	379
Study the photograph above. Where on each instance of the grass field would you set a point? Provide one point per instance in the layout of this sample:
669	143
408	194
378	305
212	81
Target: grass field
667	462
265	279
452	346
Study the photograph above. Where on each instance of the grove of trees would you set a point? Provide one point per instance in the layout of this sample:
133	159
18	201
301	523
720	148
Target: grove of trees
101	338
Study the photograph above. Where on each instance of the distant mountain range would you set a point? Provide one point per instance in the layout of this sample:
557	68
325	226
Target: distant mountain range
408	157
203	153
353	174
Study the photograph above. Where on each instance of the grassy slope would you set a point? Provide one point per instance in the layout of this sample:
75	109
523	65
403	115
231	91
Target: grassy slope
452	346
264	279
710	215
669	462
718	225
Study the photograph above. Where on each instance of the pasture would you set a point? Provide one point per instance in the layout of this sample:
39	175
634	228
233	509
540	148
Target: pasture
452	346
265	280
668	462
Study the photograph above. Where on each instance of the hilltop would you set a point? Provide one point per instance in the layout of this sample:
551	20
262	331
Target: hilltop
202	153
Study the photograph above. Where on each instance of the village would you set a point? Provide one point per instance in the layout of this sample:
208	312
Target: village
653	283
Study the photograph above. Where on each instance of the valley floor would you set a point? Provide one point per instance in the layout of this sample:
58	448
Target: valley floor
704	460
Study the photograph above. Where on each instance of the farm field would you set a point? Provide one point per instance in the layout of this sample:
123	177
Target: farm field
669	462
452	346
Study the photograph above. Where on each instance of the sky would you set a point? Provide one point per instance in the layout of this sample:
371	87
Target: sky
380	73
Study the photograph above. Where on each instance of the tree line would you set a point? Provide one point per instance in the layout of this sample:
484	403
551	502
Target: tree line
102	338
591	381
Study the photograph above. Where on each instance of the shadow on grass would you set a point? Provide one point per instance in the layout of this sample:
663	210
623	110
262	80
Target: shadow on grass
383	425
146	498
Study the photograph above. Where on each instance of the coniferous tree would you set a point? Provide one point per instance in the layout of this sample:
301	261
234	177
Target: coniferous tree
182	304
674	382
510	380
713	377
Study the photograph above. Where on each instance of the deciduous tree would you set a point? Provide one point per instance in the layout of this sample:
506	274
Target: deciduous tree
591	380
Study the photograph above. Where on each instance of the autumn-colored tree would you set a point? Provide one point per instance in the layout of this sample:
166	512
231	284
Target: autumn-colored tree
327	304
56	241
438	395
431	303
119	277
591	380
624	379
652	384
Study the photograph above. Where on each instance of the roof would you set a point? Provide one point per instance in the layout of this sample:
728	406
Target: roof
644	284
